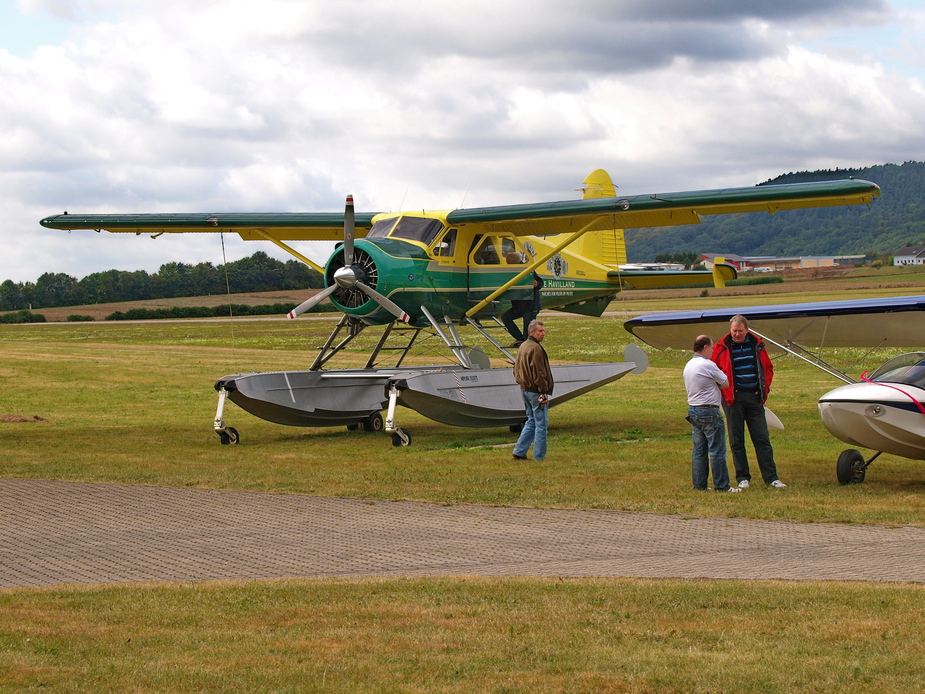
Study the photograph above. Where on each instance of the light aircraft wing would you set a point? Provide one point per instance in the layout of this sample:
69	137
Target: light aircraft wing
890	322
538	219
294	226
663	209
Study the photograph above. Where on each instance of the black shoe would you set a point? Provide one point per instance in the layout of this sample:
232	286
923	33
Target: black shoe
519	457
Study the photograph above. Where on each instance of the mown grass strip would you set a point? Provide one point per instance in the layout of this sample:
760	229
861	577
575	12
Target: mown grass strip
465	635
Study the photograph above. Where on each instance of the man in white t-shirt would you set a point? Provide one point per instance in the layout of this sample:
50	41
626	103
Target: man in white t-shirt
703	380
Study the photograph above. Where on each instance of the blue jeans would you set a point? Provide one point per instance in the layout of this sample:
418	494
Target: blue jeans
748	410
534	430
709	434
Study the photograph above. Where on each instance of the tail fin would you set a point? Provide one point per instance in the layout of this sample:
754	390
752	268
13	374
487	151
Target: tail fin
606	247
598	185
722	272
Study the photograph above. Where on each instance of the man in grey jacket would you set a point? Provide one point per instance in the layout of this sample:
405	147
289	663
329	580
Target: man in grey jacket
534	376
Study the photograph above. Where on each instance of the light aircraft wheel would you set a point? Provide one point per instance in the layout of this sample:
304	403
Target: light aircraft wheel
850	467
516	428
398	441
353	427
373	422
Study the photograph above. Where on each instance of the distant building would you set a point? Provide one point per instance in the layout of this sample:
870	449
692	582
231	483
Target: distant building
767	263
909	255
737	261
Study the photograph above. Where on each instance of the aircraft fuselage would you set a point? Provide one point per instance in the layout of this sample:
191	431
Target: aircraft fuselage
448	270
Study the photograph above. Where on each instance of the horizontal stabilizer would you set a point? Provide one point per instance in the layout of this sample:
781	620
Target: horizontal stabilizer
659	279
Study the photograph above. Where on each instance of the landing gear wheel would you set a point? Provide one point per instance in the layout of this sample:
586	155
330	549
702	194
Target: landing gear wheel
353	427
373	422
516	428
850	467
229	436
397	439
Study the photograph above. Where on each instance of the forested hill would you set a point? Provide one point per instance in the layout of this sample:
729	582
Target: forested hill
894	220
258	273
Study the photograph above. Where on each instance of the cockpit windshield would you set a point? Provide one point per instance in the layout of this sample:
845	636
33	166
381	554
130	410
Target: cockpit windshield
906	368
419	229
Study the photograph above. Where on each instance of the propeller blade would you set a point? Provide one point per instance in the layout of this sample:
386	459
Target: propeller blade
349	228
312	302
384	301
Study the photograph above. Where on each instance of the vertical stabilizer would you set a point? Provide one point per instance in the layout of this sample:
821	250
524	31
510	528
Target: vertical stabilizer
607	247
598	185
718	280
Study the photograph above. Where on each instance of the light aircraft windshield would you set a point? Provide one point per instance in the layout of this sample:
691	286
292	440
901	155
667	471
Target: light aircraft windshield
421	229
908	369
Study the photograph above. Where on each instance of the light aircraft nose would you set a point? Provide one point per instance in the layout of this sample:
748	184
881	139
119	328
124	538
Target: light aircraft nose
880	417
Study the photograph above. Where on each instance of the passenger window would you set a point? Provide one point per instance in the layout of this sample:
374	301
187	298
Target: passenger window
487	253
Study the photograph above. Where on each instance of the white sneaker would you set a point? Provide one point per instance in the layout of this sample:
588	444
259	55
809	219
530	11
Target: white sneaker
778	484
743	484
733	489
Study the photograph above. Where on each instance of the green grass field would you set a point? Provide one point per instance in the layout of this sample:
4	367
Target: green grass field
134	403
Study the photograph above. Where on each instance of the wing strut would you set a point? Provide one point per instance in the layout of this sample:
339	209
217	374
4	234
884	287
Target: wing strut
812	359
291	251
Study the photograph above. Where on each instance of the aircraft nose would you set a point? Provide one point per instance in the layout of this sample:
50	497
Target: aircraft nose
345	276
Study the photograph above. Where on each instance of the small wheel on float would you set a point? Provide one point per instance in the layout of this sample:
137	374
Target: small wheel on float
228	436
373	422
353	427
516	428
398	440
850	467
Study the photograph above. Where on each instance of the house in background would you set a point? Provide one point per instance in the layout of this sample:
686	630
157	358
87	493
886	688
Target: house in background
909	255
737	261
767	263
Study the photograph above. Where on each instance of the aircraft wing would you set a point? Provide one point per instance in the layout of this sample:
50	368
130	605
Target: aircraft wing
891	322
663	209
539	219
294	226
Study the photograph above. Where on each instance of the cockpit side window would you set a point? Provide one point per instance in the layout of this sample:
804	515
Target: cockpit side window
446	246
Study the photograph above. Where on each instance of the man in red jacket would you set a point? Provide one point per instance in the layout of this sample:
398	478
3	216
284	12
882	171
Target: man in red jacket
743	358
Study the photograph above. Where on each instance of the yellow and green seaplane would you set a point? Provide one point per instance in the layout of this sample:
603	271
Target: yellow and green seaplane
438	271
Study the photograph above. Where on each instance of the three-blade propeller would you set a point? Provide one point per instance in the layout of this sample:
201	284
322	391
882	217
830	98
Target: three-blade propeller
346	277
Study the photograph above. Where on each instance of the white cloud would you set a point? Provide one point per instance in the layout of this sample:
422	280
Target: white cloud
283	106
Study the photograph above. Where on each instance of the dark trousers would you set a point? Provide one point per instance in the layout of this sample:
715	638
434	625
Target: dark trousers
748	410
508	319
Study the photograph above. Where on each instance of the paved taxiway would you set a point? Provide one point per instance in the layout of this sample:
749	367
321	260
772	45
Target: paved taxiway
55	533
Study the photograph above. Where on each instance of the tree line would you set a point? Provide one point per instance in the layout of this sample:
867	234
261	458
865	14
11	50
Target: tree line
258	273
894	220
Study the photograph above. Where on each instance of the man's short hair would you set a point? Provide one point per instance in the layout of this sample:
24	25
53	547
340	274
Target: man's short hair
702	342
533	324
741	320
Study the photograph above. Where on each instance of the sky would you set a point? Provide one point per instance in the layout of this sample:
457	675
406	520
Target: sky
288	105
